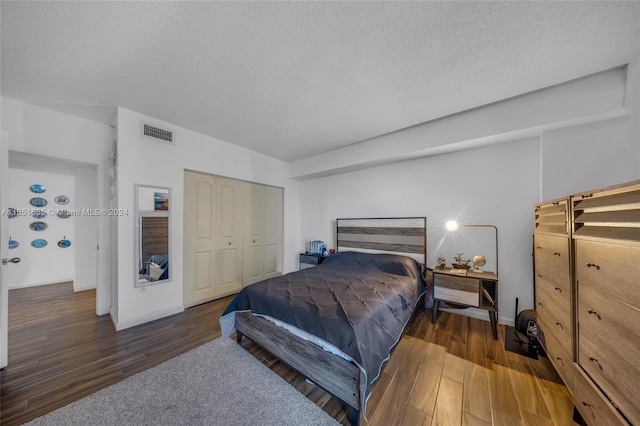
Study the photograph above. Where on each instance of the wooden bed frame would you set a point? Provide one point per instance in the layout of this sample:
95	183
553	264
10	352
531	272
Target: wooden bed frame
335	375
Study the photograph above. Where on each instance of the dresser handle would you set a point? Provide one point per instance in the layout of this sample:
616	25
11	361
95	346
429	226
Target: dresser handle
560	359
591	311
587	196
559	324
558	289
541	304
596	361
556	254
539	276
586	404
539	248
589	265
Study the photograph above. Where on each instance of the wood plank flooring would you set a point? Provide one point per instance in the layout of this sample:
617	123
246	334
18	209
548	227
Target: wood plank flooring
449	373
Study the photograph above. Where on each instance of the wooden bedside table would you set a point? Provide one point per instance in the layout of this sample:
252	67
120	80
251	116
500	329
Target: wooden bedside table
473	289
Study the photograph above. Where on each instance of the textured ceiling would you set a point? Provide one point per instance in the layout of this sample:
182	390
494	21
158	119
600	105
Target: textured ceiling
293	79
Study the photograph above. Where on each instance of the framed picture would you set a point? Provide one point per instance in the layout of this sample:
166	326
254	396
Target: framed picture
161	201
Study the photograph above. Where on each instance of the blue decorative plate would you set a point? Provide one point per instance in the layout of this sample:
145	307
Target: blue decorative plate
11	212
13	244
64	243
63	214
39	243
38	202
37	226
39	214
62	199
37	188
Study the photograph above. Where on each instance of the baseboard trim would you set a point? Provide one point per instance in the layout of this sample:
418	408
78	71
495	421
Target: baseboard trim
122	325
38	284
480	314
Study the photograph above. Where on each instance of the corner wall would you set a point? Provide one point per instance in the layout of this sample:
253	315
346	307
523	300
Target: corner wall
51	134
501	160
145	161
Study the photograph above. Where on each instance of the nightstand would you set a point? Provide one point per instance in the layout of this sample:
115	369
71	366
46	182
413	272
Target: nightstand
471	289
308	260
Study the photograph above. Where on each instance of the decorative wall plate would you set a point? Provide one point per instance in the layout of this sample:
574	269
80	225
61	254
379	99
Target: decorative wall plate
38	202
11	212
13	244
39	214
37	226
63	214
62	199
39	243
64	243
37	188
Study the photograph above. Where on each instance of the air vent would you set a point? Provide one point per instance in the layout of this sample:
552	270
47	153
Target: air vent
156	133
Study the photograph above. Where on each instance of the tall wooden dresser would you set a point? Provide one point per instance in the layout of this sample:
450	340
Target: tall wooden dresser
606	231
554	283
604	378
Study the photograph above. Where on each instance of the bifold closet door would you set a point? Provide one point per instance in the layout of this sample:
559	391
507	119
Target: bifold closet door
233	235
273	244
254	236
199	238
263	233
229	205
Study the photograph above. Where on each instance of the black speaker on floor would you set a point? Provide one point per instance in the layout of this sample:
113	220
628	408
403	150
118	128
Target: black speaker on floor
525	337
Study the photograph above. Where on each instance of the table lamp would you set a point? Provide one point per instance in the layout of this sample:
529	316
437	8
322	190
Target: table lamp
452	225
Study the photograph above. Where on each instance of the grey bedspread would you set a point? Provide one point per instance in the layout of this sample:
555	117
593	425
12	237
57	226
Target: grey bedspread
358	302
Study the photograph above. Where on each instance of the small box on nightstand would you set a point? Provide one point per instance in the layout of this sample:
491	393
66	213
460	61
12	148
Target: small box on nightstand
309	260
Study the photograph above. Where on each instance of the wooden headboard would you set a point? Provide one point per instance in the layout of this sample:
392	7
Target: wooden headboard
397	235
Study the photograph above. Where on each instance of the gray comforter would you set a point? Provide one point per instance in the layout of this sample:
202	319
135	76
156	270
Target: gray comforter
358	302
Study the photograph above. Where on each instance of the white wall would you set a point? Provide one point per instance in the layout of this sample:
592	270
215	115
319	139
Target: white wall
149	162
588	156
50	264
50	134
596	97
86	241
495	185
580	136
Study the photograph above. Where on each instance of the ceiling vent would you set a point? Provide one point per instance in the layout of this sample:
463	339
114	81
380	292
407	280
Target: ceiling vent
156	133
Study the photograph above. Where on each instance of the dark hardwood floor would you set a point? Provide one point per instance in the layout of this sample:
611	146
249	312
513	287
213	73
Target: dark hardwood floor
449	373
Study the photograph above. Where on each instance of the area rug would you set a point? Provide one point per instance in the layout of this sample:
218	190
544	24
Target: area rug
218	383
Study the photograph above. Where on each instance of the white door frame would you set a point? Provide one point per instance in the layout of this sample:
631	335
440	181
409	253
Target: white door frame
4	250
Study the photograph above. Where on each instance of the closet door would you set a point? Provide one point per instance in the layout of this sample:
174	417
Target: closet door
199	238
229	226
254	229
273	244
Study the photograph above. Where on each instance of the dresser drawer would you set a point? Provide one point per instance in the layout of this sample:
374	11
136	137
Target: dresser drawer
555	314
553	266
612	268
608	349
593	406
562	336
559	353
560	284
553	252
554	298
456	289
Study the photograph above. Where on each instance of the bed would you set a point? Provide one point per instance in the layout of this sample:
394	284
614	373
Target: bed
337	323
158	267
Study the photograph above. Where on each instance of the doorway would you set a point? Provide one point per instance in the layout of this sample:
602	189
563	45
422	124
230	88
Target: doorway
55	239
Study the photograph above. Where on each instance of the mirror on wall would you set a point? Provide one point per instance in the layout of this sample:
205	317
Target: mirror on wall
153	245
